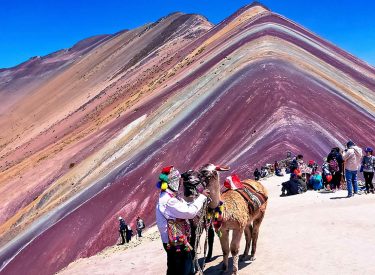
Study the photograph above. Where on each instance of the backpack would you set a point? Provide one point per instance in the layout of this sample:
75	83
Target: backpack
333	166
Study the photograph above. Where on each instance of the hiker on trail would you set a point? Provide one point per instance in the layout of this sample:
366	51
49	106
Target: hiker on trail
352	157
129	233
335	164
140	226
368	169
256	174
171	215
122	230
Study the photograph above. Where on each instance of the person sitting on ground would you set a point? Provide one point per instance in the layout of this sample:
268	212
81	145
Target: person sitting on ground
335	164
316	181
293	186
171	215
140	226
352	157
368	169
256	174
279	173
312	168
122	230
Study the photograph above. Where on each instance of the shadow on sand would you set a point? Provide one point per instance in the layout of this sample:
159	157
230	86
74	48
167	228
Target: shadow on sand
338	198
217	268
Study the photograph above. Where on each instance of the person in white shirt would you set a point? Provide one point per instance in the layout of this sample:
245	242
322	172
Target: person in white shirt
170	207
352	157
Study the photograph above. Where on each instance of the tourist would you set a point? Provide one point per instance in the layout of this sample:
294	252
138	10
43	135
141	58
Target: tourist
352	157
129	233
171	215
326	175
335	164
256	174
368	169
122	230
140	226
293	186
295	165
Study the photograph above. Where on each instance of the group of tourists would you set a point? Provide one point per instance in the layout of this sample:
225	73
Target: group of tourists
337	166
268	170
126	231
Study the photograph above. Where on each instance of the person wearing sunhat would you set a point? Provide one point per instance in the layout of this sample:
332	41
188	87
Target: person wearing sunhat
170	210
368	169
352	157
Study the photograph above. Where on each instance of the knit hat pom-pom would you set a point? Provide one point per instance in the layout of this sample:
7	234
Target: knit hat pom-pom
164	186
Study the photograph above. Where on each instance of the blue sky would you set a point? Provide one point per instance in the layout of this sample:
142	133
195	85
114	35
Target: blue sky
30	28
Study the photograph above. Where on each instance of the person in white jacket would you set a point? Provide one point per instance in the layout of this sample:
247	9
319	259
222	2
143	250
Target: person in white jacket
352	157
171	207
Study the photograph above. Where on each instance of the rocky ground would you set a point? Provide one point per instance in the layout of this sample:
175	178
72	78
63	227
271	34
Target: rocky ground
312	233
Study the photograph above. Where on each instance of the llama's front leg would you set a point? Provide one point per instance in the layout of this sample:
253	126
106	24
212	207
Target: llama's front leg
224	241
235	247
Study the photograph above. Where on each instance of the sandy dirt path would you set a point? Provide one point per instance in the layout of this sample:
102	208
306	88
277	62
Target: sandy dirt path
312	233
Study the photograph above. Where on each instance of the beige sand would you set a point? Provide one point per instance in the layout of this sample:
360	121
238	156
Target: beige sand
313	233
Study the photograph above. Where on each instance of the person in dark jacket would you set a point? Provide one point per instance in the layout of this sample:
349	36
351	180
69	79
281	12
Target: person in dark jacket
256	174
368	169
293	186
335	156
122	229
129	233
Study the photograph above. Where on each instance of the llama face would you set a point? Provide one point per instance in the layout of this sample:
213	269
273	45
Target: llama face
210	171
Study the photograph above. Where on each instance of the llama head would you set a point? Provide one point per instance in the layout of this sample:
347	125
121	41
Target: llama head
210	171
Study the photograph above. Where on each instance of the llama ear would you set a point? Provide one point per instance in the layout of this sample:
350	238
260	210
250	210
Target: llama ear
222	168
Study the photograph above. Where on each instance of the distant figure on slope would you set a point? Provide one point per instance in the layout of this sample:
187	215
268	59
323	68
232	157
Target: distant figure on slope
256	174
171	215
129	233
368	169
352	157
122	229
335	164
140	226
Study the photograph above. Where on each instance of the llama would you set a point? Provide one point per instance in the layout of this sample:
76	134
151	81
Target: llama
237	215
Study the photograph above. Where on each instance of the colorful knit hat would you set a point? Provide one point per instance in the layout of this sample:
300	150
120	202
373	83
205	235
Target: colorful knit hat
169	177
